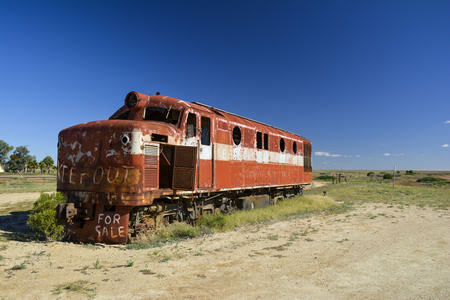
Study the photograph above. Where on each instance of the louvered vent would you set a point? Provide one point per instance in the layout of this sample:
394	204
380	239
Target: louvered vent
151	166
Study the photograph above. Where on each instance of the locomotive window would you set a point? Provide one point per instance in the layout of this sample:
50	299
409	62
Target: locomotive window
258	140
122	116
307	164
206	131
190	125
266	141
282	145
236	135
294	147
161	114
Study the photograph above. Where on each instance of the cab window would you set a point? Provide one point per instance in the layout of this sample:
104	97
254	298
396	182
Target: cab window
160	114
206	131
123	116
190	125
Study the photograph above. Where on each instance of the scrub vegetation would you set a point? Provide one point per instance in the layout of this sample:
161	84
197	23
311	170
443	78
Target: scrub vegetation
420	188
290	208
42	218
294	207
14	183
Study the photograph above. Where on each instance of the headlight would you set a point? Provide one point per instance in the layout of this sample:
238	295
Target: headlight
131	100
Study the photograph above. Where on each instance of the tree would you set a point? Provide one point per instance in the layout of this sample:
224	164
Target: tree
41	166
5	148
48	162
20	158
32	164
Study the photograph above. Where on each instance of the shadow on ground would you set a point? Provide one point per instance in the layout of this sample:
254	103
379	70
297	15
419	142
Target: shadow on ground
14	225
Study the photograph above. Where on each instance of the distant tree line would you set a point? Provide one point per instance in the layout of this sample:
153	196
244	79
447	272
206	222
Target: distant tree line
20	160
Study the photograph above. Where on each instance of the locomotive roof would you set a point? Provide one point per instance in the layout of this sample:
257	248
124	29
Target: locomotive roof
224	113
159	99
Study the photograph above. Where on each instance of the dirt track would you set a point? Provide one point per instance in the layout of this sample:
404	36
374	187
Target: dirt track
372	252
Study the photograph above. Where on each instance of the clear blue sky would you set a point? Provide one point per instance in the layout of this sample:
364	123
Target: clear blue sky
368	82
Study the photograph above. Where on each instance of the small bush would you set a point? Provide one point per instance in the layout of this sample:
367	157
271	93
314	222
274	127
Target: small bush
387	176
370	174
42	218
177	231
410	172
213	221
324	177
431	180
22	266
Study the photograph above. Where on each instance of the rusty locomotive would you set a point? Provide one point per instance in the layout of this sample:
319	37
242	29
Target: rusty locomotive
159	159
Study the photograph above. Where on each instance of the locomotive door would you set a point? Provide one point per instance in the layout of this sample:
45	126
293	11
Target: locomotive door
184	168
205	170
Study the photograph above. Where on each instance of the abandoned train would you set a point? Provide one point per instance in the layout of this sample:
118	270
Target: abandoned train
159	159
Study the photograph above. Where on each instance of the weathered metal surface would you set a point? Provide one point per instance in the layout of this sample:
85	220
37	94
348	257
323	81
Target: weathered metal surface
157	147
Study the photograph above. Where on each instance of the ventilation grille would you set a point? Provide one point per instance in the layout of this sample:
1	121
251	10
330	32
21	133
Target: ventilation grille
151	150
151	166
151	178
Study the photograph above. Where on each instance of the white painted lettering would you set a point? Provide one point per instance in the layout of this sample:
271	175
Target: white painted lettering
126	173
107	175
116	219
112	233
62	177
105	231
81	177
97	228
59	171
108	219
70	174
112	174
100	216
121	231
95	175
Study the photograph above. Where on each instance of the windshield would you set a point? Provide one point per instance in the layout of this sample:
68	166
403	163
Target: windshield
161	114
123	116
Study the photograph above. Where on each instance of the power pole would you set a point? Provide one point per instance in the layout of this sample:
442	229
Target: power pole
393	176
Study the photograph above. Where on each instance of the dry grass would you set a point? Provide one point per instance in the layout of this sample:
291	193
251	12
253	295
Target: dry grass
296	206
378	192
13	183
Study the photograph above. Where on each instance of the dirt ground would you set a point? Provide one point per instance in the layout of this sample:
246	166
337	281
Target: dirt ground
371	252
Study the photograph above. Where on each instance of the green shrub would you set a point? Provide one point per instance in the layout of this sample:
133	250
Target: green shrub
387	176
176	231
42	218
410	172
213	221
324	177
370	174
431	179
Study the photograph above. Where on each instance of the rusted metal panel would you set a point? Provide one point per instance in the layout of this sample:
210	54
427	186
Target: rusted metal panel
205	173
108	226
